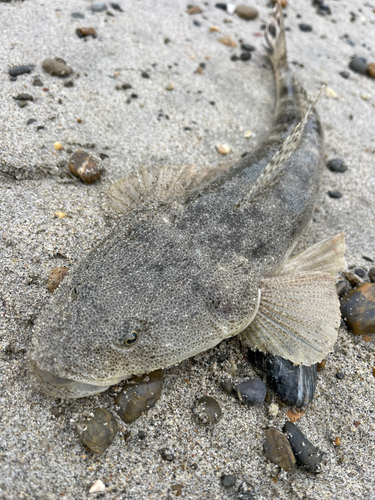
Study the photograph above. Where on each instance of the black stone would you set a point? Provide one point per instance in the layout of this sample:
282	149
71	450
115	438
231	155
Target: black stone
369	259
222	6
305	27
24	97
30	121
334	194
362	273
340	375
344	74
245	56
69	84
103	156
167	455
145	75
247	47
371	274
305	452
336	165
126	86
116	6
358	65
142	435
20	70
228	480
234	57
196	23
294	384
212	103
252	391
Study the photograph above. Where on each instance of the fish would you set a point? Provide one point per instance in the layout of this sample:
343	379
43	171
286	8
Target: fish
199	258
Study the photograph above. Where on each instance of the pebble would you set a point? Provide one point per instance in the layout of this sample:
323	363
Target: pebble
341	287
144	74
83	166
228	387
142	435
246	12
366	97
336	165
228	480
247	47
214	29
59	215
223	149
278	450
340	375
56	67
305	27
245	56
252	391
273	409
371	70
100	430
116	6
98	7
83	32
194	9
56	277
20	70
222	6
344	74
37	82
69	84
362	273
245	491
294	416
177	489
358	65
305	452
294	384
371	274
358	309
58	146
283	3
77	15
330	93
353	278
97	487
228	41
322	365
58	411
24	97
206	411
334	194
22	104
139	395
167	455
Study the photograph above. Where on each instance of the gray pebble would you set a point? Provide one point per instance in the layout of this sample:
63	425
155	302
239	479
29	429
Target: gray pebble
57	67
206	411
167	455
371	274
20	70
37	82
362	273
305	452
228	480
344	74
336	165
341	287
98	7
334	194
245	491
252	391
24	97
305	27
278	450
228	386
358	65
101	430
340	375
77	15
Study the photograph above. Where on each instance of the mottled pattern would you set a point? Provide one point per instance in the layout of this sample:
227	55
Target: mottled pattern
183	275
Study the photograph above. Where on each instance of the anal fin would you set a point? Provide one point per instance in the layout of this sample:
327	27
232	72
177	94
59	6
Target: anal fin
297	319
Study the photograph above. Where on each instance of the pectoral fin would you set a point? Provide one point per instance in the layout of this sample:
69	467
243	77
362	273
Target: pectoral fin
297	319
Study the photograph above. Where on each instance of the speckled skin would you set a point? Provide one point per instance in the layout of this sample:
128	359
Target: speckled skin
182	276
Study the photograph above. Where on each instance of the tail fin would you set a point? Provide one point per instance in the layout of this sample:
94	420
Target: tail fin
275	39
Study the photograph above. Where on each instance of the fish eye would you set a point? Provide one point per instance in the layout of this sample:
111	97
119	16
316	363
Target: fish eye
132	341
127	334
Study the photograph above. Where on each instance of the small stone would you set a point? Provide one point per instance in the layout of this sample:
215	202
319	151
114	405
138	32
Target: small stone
247	47
358	65
77	15
98	7
234	57
340	375
56	277
344	74
273	409
246	12
59	215
248	134
194	9
24	97
22	104
334	194
196	23
116	6
214	29
206	411
228	387
30	121
97	487
56	67
337	441
100	430
336	165
20	70
83	32
322	365
139	395
142	435
366	97
228	480
228	41
144	74
58	146
341	287
231	9
177	489
252	391
69	84
330	93
283	3
103	156
245	56
305	452
38	82
223	149
294	416
278	450
371	274
169	87
222	6
245	491
167	455
358	309
371	70
58	411
362	273
83	166
305	27
353	278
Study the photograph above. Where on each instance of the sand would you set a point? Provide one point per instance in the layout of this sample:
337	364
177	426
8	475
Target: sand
41	456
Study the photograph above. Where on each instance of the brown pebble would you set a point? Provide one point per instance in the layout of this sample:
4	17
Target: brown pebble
373	371
100	431
82	32
278	450
228	41
371	70
56	67
371	274
294	416
353	278
246	12
337	441
358	309
83	166
321	365
194	9
177	489
283	3
56	277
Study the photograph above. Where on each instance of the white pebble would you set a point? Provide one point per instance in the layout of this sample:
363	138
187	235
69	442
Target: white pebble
97	487
273	409
223	149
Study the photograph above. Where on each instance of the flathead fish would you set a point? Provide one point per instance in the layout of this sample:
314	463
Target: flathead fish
196	260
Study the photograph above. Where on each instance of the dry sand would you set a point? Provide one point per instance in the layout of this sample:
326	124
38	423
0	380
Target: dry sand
41	457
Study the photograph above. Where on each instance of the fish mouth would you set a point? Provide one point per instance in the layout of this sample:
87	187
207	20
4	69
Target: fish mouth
67	388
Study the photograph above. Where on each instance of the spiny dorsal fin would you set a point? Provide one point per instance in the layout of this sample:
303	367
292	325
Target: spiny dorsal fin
275	39
282	156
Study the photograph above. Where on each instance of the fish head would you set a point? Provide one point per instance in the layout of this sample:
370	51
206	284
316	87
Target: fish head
101	328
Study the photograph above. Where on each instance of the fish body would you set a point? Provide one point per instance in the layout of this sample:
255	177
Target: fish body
175	278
